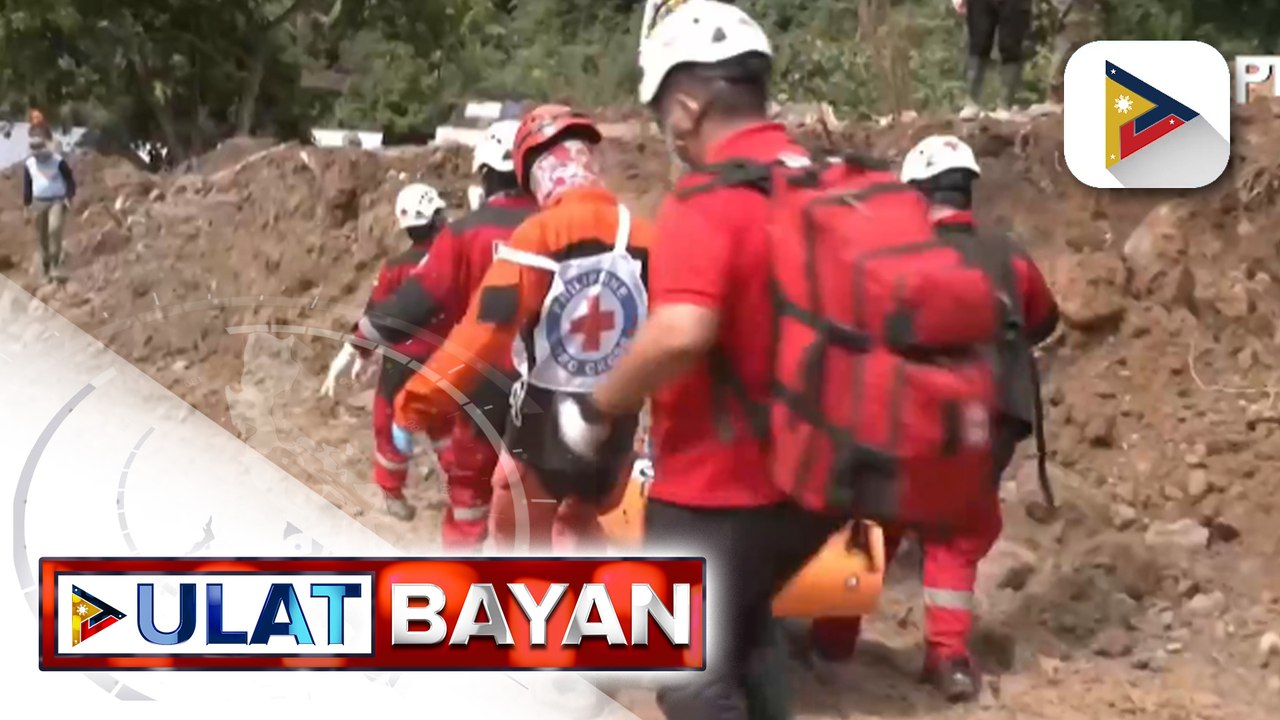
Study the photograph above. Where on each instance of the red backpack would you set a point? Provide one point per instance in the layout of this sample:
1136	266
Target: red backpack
883	399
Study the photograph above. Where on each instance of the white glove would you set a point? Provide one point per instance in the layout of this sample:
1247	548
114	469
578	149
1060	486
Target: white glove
582	436
348	358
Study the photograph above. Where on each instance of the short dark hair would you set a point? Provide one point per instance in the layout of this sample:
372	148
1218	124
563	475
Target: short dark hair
494	182
953	188
737	88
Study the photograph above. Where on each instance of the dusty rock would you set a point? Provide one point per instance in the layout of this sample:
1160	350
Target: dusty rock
1112	643
1207	604
1156	255
1223	531
1089	289
1040	512
1185	534
1269	647
1100	430
1123	516
1016	577
1156	661
1198	483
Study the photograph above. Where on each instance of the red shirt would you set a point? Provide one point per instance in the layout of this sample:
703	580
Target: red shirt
435	294
712	250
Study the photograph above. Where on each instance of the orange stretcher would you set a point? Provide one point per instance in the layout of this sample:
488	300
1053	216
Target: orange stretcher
844	579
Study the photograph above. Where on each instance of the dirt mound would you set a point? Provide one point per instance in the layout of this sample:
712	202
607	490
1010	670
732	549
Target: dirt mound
1146	593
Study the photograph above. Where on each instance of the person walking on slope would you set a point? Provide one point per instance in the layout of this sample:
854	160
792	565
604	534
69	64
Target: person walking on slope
990	23
705	75
944	168
433	299
48	189
420	213
569	291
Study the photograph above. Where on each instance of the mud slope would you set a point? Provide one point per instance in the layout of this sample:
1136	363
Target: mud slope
1147	594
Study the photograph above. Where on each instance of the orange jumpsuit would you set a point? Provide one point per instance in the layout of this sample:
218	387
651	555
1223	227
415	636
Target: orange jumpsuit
549	480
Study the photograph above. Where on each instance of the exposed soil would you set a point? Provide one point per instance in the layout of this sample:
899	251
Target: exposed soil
1148	593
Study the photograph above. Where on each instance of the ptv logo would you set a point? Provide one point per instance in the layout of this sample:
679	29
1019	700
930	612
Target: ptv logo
89	616
232	613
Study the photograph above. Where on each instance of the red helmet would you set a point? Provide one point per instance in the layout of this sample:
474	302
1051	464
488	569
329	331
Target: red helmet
542	126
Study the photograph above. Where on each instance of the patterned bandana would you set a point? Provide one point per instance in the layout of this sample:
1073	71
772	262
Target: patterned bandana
569	165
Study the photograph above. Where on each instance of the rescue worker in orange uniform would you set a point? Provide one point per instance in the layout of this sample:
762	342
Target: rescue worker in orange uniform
944	168
565	296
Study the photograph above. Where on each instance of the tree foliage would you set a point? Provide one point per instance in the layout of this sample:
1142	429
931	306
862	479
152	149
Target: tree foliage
187	73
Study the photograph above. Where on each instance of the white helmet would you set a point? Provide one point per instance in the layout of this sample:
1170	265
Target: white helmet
701	32
417	204
937	154
496	150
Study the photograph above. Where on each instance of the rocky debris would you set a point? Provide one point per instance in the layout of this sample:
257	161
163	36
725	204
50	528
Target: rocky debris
1183	534
1198	483
1206	604
1123	516
1112	643
1156	255
1269	647
1222	531
1154	661
1089	288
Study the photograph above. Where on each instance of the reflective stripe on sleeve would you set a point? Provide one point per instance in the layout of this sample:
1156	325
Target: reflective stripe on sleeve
388	463
470	514
949	599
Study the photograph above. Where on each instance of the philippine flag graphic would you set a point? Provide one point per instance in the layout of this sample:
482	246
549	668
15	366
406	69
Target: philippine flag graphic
1165	119
1138	115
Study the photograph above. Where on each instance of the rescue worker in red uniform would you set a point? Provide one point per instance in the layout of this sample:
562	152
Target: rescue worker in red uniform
567	293
434	298
705	73
944	169
420	213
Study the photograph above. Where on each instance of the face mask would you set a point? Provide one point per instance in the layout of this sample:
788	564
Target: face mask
567	166
42	155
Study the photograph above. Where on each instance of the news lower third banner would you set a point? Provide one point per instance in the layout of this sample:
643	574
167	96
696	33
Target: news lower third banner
605	614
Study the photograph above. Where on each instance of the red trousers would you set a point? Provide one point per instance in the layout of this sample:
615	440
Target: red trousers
390	467
466	462
950	571
565	526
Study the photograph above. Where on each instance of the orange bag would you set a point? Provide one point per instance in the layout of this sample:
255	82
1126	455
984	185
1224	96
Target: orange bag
844	579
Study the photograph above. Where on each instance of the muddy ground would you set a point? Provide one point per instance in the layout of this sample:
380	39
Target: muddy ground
1149	594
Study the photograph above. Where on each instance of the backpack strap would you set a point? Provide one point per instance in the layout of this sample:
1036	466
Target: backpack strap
734	173
727	386
1042	454
623	235
503	251
996	258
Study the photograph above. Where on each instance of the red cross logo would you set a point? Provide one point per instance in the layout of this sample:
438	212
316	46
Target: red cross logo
592	325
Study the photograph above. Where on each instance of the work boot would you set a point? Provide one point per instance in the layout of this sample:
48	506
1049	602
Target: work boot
58	273
1011	83
974	76
400	509
955	678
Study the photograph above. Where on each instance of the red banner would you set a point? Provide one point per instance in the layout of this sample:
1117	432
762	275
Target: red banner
604	614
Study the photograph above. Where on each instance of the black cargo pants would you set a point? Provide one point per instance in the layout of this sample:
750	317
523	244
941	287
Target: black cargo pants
751	554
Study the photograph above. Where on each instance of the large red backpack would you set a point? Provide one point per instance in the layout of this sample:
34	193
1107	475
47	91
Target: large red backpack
883	397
